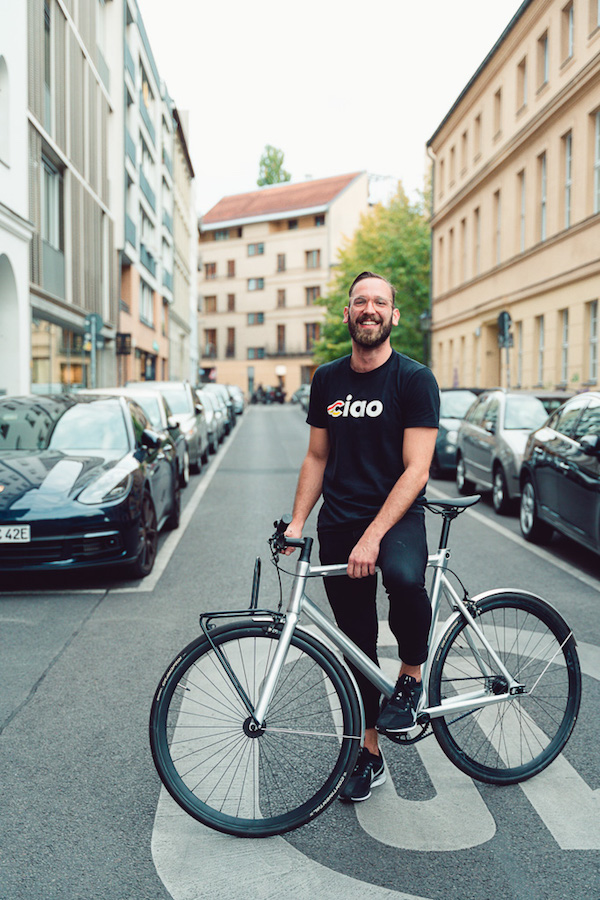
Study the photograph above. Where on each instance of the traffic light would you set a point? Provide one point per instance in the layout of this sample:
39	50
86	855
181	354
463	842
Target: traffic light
504	335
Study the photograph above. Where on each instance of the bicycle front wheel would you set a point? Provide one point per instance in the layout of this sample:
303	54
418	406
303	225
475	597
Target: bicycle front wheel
242	781
516	738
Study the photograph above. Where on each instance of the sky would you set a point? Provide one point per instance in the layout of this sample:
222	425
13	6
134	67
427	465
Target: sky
340	87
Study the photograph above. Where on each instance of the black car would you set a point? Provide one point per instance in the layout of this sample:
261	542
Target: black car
84	481
560	475
454	403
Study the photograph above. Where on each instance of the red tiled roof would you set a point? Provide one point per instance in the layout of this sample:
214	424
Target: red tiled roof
278	198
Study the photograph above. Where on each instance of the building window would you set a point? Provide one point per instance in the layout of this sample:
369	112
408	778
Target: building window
522	210
540	349
146	304
311	295
222	234
231	268
498	113
451	258
281	338
256	284
52	205
319	221
442	173
463	250
210	343
281	262
597	162
452	165
210	305
257	318
230	346
498	226
564	346
464	145
230	302
313	259
256	352
568	157
256	249
593	343
312	331
543	184
292	224
210	271
567	30
477	136
522	83
477	240
440	265
47	68
543	60
280	299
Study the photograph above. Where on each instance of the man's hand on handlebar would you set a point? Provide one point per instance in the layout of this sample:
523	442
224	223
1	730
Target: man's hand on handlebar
292	531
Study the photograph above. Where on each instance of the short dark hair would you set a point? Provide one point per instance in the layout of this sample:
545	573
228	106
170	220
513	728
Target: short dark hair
373	275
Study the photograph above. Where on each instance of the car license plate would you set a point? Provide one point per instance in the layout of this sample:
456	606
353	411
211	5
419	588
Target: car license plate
15	534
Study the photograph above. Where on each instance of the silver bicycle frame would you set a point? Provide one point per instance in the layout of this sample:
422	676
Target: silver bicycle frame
299	602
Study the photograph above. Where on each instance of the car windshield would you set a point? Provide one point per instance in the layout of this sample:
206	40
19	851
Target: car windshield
149	404
83	426
454	404
178	399
524	412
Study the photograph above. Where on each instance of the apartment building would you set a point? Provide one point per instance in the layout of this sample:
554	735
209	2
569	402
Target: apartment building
15	228
73	272
265	258
516	207
145	177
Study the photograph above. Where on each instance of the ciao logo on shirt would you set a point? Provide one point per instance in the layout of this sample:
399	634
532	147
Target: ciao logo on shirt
357	409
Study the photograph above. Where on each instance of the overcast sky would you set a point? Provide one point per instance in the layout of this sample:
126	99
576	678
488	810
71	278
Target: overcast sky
338	86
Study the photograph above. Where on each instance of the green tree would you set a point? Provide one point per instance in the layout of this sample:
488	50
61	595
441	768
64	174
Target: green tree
392	241
271	167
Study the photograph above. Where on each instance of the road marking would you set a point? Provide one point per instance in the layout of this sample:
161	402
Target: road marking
589	580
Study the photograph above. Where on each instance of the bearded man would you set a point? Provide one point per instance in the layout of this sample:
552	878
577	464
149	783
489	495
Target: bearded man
373	420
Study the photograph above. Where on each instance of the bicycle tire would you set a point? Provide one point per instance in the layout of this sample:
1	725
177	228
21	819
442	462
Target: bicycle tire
241	784
511	741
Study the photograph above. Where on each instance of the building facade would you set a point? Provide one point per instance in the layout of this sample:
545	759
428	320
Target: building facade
516	208
15	228
265	257
183	337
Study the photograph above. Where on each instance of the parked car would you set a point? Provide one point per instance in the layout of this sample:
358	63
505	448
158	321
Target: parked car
560	475
491	440
161	419
237	398
187	412
215	418
454	403
85	482
221	391
302	396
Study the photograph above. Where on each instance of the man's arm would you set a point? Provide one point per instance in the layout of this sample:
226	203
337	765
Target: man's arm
417	453
310	480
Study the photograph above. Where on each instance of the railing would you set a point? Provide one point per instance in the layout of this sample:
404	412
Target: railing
147	190
147	260
147	120
130	148
130	231
129	63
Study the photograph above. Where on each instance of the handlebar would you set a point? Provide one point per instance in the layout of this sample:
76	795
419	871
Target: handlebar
280	542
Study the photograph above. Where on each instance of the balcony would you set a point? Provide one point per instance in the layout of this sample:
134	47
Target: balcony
147	260
147	190
277	352
130	231
167	221
167	280
147	120
129	63
130	148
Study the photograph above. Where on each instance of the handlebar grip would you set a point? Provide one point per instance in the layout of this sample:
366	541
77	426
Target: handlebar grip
284	523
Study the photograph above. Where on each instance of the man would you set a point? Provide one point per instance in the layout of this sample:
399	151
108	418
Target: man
374	418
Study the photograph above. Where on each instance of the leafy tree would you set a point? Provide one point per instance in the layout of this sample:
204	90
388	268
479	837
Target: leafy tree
392	241
271	167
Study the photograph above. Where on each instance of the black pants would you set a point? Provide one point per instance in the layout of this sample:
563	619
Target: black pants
402	560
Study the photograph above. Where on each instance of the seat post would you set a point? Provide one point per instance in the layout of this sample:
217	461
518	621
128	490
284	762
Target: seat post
447	517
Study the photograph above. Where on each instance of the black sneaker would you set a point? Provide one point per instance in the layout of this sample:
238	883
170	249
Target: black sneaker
369	772
399	713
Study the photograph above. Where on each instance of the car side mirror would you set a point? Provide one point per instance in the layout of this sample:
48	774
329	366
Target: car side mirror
490	426
590	444
150	439
199	409
172	423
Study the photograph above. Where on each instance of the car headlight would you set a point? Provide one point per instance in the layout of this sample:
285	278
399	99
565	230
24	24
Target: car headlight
109	487
452	437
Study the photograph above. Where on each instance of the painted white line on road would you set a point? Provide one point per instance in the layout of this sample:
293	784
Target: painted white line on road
548	557
168	548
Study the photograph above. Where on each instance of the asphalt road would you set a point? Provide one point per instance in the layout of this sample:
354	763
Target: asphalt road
82	813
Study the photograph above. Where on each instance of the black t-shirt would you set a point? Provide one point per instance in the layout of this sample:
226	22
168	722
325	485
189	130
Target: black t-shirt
365	414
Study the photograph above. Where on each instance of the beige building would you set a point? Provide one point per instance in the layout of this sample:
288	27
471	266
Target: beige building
265	258
516	207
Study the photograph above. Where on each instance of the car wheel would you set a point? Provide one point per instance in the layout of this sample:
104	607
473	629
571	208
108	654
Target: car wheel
463	485
173	521
148	538
196	465
184	472
500	499
532	527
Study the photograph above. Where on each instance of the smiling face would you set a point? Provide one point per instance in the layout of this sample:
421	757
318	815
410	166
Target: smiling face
371	314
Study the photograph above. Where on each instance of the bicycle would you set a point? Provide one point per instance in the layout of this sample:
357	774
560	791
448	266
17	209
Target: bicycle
256	724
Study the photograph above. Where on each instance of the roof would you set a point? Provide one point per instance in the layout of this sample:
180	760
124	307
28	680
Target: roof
278	201
483	65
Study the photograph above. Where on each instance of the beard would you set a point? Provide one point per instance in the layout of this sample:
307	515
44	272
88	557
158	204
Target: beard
373	337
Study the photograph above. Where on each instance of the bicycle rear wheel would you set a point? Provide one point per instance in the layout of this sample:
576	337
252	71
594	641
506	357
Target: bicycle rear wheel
245	783
512	740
